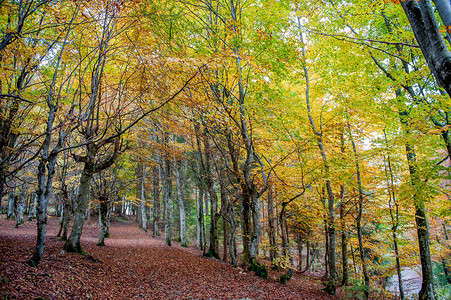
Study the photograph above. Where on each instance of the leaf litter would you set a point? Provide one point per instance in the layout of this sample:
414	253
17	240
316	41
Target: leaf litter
131	265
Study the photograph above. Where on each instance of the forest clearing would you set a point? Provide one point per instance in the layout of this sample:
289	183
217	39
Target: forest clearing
244	149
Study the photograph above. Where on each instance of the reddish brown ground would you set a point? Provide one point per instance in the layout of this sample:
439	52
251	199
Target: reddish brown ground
132	265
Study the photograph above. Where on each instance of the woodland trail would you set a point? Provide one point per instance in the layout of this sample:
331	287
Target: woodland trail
132	265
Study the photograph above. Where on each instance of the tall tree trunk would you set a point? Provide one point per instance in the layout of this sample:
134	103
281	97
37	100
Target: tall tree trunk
232	237
344	238
200	220
214	217
43	192
332	283
326	254
33	207
80	207
180	186
20	209
300	249
142	215
394	216
11	206
198	227
156	201
271	225
427	288
246	224
285	239
366	277
445	267
344	245
248	190
2	188
224	208
427	33
103	213
47	160
255	240
66	218
167	199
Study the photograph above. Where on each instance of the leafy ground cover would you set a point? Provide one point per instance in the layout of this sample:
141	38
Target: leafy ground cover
131	265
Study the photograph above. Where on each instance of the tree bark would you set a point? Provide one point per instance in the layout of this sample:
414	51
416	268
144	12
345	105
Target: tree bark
20	209
103	212
344	246
11	206
232	237
141	196
80	206
200	220
180	186
427	33
167	199
156	201
224	207
271	225
33	207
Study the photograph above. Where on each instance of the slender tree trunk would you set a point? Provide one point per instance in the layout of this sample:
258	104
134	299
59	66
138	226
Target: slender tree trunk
142	197
332	283
285	239
394	217
64	224
43	198
232	237
47	161
103	213
11	205
2	188
200	220
167	199
214	217
33	207
198	225
326	255
46	171
300	249
156	201
180	186
256	227
271	225
20	210
344	245
66	218
427	288
366	277
246	225
224	208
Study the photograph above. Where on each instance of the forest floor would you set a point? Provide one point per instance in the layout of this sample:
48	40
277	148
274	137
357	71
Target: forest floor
132	265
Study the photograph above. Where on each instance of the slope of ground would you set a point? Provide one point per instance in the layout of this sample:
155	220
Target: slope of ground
132	265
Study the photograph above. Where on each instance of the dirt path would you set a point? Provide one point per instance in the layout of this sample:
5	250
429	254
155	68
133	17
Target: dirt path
133	265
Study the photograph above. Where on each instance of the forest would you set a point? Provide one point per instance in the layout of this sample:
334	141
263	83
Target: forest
283	138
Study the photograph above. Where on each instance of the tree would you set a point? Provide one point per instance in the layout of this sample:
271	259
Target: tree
427	33
47	160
